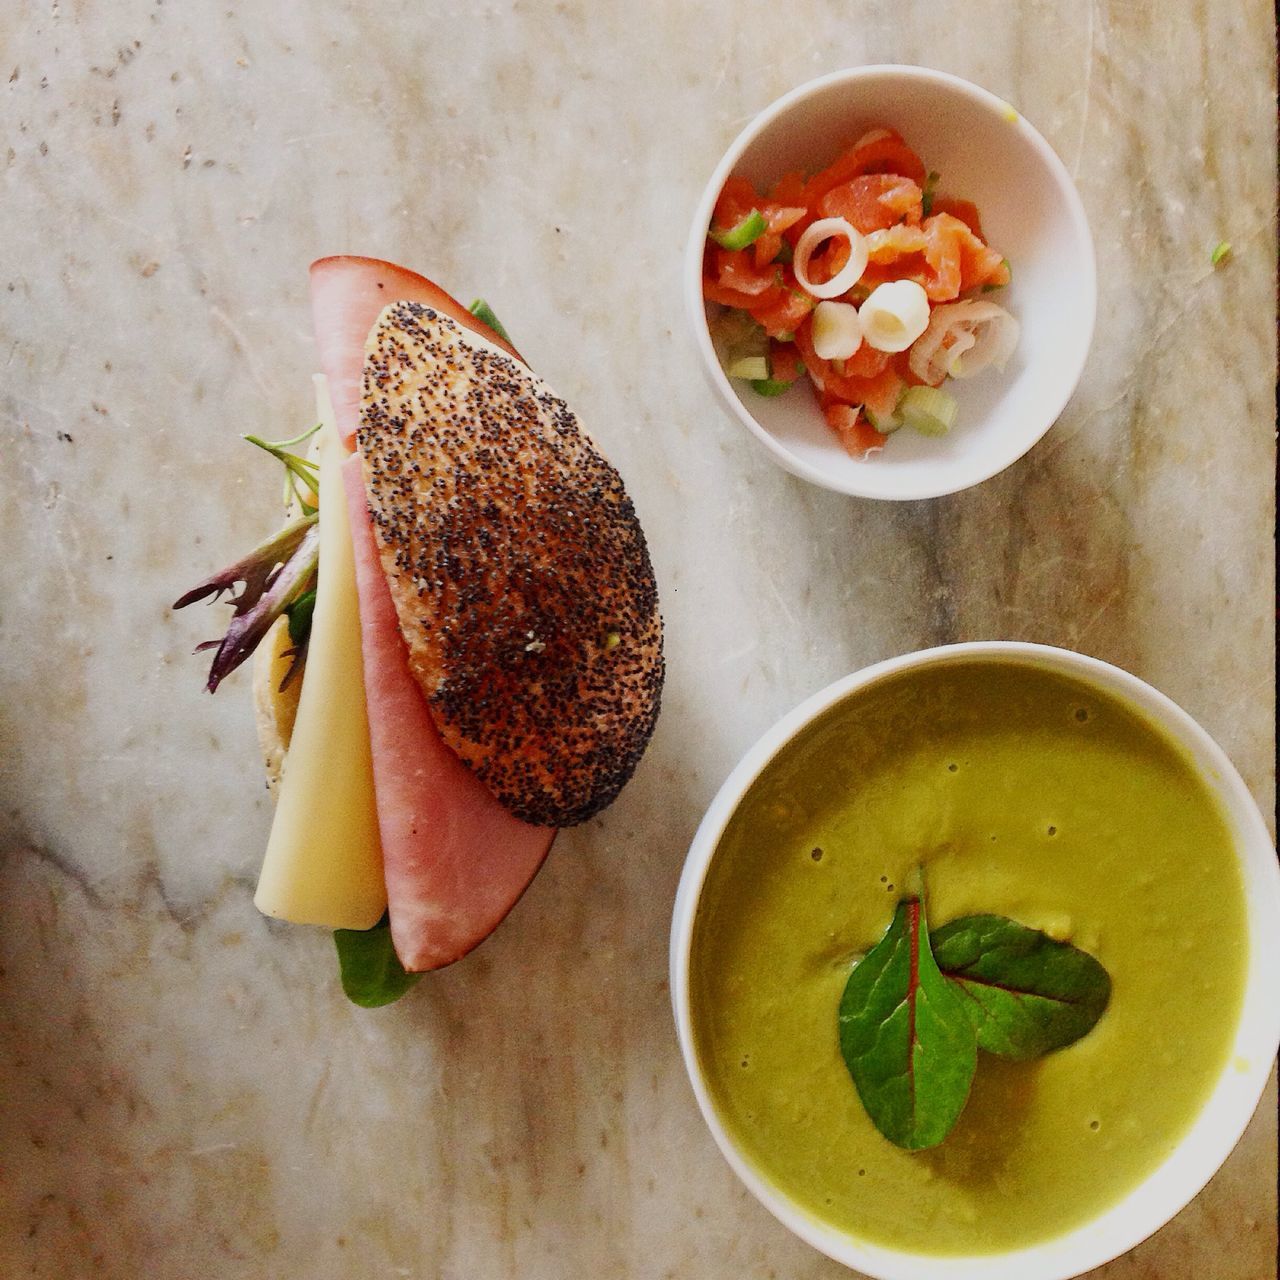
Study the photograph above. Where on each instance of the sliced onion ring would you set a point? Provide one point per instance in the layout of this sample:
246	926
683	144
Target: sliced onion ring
836	331
848	275
962	339
994	343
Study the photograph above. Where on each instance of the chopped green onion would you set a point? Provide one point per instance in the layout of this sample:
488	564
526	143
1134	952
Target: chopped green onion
484	313
928	410
752	368
770	386
1221	252
747	232
885	424
930	190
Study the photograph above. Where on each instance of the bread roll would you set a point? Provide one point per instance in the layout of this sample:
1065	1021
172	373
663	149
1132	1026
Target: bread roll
519	571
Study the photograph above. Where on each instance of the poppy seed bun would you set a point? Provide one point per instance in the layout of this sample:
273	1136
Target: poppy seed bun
519	571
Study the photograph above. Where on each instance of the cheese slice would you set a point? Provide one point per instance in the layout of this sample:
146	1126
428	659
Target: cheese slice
324	860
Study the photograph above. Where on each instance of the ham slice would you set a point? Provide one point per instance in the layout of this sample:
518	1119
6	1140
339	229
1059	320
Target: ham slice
347	294
455	860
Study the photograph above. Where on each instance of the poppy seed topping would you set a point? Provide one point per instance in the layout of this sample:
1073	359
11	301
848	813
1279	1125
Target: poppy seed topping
519	572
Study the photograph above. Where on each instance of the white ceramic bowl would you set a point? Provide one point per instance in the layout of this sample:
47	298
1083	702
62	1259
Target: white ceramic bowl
987	153
1224	1115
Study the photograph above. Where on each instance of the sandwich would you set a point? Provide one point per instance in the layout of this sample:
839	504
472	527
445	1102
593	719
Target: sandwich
455	637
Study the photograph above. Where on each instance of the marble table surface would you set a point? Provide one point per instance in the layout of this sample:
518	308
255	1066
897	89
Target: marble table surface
185	1091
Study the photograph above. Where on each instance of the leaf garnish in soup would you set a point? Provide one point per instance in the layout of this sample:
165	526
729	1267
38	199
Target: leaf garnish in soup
906	1036
1026	994
916	1009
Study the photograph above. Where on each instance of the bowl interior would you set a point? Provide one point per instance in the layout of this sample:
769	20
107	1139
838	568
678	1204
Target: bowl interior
1224	1114
1030	212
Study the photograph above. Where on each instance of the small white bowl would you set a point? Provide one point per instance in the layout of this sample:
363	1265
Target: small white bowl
1222	1118
987	153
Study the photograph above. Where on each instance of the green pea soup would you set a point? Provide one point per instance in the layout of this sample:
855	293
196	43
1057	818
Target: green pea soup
1015	791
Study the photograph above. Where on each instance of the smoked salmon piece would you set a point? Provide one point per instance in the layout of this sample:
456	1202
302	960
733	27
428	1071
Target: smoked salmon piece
965	210
881	151
892	243
957	259
714	291
783	313
846	380
874	202
780	219
737	269
737	199
857	435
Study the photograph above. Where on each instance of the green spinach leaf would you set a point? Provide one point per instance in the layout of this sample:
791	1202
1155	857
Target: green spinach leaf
372	974
1026	994
906	1037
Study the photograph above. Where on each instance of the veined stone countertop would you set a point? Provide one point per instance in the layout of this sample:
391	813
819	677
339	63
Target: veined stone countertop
185	1090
